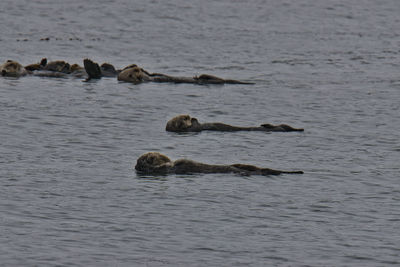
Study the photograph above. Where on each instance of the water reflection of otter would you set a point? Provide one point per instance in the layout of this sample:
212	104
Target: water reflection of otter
135	74
185	123
157	163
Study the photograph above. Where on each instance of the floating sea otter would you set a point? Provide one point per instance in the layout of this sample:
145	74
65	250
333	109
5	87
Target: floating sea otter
44	69
157	163
58	68
135	74
185	123
94	71
12	68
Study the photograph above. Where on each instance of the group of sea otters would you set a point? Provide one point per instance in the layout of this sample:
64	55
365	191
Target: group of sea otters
154	162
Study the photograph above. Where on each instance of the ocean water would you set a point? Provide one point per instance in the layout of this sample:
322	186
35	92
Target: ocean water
69	195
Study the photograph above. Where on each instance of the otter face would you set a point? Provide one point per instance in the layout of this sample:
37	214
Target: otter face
153	162
133	74
181	123
12	69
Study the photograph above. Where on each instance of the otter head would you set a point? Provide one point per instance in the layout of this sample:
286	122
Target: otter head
153	162
108	70
75	67
133	74
12	69
37	66
58	66
183	123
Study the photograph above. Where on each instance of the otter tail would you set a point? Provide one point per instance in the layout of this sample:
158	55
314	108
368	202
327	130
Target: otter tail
237	82
289	128
266	171
280	128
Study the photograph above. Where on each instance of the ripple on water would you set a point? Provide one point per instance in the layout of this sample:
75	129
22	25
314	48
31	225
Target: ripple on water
68	148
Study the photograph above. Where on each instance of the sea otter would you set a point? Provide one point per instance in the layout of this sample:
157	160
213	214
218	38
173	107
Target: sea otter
185	123
57	68
135	74
157	163
94	71
12	68
37	66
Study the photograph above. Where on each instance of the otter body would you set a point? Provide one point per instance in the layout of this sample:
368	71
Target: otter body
185	123
56	69
135	74
94	71
12	68
37	66
60	68
138	75
157	163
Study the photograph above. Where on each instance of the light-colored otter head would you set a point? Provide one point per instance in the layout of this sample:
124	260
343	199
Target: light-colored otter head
153	162
183	123
133	74
12	69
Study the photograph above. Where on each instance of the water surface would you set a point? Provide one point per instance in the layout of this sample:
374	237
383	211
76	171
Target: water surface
69	194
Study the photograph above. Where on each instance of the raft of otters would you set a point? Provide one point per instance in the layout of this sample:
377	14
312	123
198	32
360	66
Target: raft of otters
157	163
92	70
185	123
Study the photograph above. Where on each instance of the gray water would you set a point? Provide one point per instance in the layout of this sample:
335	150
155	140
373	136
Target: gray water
69	195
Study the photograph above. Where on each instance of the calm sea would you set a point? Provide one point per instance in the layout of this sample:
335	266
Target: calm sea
69	195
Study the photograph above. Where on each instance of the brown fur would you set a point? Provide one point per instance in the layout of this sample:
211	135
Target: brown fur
12	69
57	69
152	162
75	68
37	66
77	71
108	70
133	74
58	66
179	123
157	163
185	123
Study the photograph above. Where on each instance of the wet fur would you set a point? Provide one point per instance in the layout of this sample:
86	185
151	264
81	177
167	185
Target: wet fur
157	163
185	123
135	74
56	69
12	68
131	73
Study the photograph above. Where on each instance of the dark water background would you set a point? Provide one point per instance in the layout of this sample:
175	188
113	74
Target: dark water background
69	195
